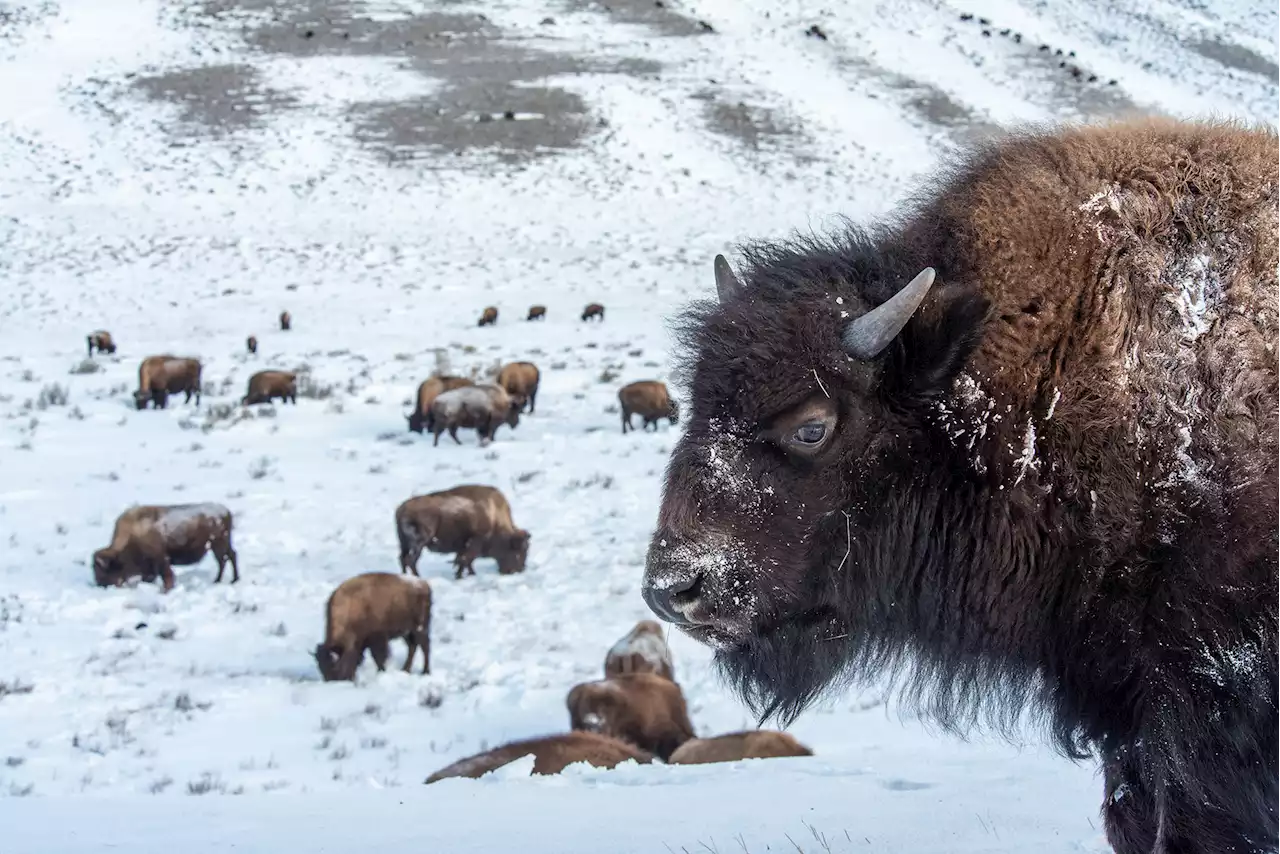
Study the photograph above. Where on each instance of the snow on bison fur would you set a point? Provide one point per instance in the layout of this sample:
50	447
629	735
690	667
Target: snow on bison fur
483	408
428	391
643	709
1018	446
754	744
367	612
468	521
148	541
642	650
551	755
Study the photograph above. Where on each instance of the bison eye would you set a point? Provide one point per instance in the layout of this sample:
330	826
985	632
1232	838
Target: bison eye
810	433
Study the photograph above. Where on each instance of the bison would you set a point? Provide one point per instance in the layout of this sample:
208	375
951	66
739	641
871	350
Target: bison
754	744
643	709
252	344
641	650
648	399
537	312
428	391
520	380
1017	446
595	310
148	541
551	755
286	321
467	521
367	612
484	408
161	376
266	386
101	341
488	317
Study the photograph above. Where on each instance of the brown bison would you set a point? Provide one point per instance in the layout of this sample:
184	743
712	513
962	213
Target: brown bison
149	541
595	310
1018	446
266	386
551	755
286	321
643	709
101	341
755	744
252	343
648	399
367	612
428	391
520	380
537	312
466	521
484	408
642	650
488	317
161	376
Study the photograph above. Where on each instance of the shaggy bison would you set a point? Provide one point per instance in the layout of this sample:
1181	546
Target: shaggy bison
537	312
428	391
520	380
466	521
754	744
488	317
643	709
484	408
266	386
149	541
641	650
252	344
595	310
161	376
367	612
101	341
286	321
648	399
551	755
1023	439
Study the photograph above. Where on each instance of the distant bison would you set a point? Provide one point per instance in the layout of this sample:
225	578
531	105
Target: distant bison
252	343
367	612
266	386
467	521
161	376
483	408
551	755
754	744
101	341
595	310
642	650
428	391
648	399
537	312
520	380
150	540
488	317
286	321
643	709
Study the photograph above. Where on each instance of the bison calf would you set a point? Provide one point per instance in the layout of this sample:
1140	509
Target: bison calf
642	650
595	310
466	521
161	376
648	399
428	391
252	344
286	321
266	386
537	312
149	541
488	317
520	380
551	755
101	341
755	744
640	708
484	408
367	612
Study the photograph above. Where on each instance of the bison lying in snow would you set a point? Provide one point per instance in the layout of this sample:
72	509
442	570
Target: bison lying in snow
484	408
1021	441
595	310
428	391
101	341
755	744
286	321
161	376
640	708
149	541
488	317
266	386
520	381
551	755
467	521
537	312
367	612
252	343
648	399
641	650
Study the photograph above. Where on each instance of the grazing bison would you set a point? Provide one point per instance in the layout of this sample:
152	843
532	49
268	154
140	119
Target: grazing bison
755	744
551	755
367	612
537	312
648	399
484	408
467	521
641	650
595	310
643	709
286	321
488	317
161	376
149	541
101	341
428	391
252	343
1022	439
520	380
266	386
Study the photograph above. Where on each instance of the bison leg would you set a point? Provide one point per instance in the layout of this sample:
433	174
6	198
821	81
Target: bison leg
409	555
469	553
533	399
411	641
422	638
350	661
453	434
380	649
436	442
626	420
166	576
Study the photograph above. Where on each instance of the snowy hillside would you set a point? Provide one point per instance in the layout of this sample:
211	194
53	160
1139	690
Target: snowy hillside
181	171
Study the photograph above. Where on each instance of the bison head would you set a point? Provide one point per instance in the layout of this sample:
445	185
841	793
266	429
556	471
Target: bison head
105	569
512	551
140	398
329	659
416	422
513	412
805	393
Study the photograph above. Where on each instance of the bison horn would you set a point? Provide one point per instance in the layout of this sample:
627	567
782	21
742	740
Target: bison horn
867	336
727	283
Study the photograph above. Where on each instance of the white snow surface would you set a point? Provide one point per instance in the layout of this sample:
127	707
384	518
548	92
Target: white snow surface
126	713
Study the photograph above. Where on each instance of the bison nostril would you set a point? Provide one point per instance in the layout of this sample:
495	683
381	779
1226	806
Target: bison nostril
685	591
669	600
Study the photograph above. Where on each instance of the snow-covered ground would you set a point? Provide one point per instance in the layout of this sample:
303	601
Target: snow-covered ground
181	172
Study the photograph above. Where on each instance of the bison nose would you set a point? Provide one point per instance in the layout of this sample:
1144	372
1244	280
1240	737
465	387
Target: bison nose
671	598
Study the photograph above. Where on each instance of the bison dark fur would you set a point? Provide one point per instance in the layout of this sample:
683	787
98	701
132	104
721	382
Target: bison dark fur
593	310
467	521
101	341
537	312
488	317
367	612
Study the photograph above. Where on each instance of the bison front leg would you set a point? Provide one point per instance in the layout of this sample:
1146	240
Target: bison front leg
453	434
166	576
533	399
380	649
466	557
626	421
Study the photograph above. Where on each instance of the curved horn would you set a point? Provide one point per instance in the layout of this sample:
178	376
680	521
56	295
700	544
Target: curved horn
867	336
726	282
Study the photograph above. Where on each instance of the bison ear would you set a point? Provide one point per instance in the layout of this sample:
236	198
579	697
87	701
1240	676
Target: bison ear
727	283
866	337
938	344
